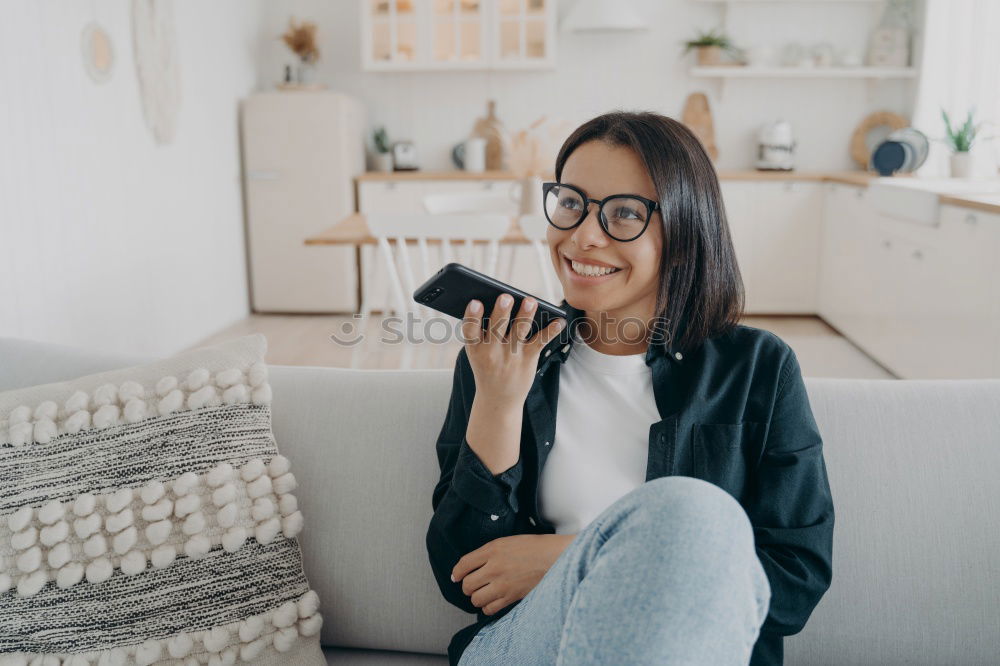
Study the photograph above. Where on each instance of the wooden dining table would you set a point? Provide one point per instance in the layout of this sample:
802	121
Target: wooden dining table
353	230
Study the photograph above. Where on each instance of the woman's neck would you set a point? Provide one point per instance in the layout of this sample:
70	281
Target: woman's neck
616	333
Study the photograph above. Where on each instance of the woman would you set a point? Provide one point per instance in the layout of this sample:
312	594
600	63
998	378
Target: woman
646	485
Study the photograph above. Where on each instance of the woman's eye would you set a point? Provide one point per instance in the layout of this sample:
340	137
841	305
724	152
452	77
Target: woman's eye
627	214
569	202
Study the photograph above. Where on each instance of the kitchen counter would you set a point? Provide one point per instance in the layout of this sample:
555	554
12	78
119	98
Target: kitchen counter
989	203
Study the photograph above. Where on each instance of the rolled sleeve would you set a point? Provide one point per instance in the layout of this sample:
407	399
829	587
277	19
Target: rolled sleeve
475	484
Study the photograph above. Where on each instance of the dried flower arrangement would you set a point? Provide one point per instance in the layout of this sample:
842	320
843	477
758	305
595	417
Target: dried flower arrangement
301	39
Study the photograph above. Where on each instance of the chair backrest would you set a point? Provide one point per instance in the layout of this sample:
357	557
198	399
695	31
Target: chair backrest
470	202
533	226
405	272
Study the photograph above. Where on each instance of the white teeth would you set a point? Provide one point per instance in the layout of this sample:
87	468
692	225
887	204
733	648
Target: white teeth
590	270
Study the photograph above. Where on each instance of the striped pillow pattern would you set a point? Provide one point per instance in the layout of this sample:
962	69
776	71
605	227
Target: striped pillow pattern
146	517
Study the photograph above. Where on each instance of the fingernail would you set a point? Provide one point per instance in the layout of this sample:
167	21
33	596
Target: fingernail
529	305
506	300
474	306
560	324
453	578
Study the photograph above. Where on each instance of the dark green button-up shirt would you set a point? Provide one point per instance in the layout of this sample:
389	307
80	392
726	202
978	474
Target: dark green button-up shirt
733	412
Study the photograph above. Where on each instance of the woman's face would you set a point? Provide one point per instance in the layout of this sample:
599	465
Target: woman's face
600	170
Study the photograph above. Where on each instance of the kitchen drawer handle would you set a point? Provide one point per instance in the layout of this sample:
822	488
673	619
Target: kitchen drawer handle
390	185
886	244
789	187
971	219
917	254
859	193
488	185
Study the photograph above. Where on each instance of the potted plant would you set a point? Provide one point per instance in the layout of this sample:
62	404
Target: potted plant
383	158
960	140
709	47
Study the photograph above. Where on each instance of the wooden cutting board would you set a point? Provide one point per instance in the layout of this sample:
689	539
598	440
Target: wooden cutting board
697	117
489	128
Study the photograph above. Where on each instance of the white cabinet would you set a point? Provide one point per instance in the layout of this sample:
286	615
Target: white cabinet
969	292
922	300
400	35
776	233
301	152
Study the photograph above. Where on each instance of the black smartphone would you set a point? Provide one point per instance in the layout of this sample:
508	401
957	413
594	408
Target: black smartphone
451	288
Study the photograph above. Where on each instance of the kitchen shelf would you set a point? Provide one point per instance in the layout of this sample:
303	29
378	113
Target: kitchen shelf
788	2
738	72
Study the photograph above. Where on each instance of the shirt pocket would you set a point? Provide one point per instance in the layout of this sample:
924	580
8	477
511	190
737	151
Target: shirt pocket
720	454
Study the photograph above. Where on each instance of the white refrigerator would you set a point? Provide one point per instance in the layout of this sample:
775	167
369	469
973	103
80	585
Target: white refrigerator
301	152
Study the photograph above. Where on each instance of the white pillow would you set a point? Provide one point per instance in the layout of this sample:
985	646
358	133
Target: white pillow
146	516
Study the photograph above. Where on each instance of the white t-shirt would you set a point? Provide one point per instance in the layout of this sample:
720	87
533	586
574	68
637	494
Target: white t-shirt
601	447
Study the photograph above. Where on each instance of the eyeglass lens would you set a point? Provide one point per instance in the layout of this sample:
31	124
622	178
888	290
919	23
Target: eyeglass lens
624	216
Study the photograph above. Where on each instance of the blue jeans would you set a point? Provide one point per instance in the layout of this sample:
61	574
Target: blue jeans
667	574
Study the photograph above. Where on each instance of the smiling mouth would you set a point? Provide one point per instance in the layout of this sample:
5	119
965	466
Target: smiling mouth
590	270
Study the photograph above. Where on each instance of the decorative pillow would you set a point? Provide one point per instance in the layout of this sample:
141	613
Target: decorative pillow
147	517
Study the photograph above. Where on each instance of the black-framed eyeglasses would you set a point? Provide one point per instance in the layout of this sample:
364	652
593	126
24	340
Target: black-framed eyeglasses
623	217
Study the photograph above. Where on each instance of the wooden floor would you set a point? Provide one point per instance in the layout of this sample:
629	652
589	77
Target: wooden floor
325	340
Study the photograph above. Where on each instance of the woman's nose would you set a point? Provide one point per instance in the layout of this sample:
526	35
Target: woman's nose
589	233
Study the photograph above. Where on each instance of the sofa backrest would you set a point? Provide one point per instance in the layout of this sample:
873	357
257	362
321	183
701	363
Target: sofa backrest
913	465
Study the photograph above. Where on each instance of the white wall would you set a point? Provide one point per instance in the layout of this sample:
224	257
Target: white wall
107	240
598	72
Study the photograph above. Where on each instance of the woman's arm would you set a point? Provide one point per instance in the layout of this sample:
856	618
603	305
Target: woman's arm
478	449
791	508
472	506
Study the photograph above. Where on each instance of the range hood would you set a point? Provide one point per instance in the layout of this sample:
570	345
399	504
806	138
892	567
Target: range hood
602	16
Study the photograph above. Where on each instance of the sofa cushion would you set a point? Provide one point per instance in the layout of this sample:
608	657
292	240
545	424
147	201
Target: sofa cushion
146	512
360	657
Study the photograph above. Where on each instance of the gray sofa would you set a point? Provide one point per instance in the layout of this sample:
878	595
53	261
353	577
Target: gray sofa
914	469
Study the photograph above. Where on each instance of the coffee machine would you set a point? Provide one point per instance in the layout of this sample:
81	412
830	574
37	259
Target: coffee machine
776	147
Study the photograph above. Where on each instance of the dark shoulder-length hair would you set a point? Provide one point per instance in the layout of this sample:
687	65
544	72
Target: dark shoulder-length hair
701	291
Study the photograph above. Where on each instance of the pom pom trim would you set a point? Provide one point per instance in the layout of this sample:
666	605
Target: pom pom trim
122	530
109	405
278	628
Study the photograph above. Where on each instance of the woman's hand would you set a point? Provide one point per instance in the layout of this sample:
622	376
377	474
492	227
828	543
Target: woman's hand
505	570
504	369
504	365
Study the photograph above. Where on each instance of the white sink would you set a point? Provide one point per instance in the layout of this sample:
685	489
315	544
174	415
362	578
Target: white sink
916	199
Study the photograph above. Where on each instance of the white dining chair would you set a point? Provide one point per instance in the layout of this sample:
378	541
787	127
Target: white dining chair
478	202
534	228
472	239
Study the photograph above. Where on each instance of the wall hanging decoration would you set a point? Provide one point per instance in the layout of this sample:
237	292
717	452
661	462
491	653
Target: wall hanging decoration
155	43
98	53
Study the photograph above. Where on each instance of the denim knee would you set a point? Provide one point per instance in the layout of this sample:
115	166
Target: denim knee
667	501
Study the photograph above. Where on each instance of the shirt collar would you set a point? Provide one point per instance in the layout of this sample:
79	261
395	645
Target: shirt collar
559	348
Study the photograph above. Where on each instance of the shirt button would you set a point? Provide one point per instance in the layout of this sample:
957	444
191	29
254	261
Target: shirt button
548	443
678	356
494	516
565	348
548	352
531	520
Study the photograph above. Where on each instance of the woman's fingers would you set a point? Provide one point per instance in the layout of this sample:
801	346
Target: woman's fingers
500	317
472	323
522	323
547	334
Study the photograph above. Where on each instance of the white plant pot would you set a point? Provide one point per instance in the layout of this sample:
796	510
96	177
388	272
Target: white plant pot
961	165
383	162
